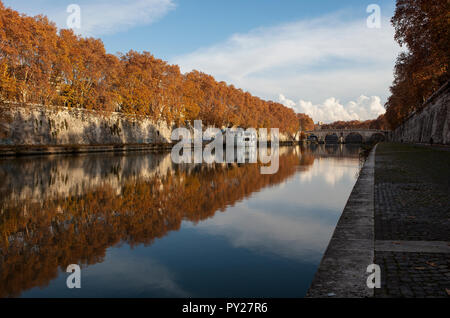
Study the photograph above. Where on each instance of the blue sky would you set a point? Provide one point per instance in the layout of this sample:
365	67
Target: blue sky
317	57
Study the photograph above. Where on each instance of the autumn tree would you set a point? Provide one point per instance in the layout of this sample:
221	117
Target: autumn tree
379	123
88	73
27	57
423	27
44	65
306	123
141	84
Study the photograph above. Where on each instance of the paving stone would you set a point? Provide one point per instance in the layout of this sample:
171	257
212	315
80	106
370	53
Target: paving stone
408	221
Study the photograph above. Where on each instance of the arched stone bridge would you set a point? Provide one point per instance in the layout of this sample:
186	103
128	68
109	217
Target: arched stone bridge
347	135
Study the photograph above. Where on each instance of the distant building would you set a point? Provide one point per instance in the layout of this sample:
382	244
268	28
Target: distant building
319	125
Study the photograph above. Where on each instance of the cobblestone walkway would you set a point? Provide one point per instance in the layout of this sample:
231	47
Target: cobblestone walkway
412	208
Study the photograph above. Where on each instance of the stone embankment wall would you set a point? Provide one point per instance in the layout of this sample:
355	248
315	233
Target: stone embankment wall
38	125
432	122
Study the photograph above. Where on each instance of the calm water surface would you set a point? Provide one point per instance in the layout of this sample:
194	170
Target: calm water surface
140	226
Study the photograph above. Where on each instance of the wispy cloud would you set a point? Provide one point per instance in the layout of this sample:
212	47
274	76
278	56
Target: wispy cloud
267	233
102	16
309	60
106	17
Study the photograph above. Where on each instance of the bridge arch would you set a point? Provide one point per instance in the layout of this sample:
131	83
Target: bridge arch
313	137
354	138
331	138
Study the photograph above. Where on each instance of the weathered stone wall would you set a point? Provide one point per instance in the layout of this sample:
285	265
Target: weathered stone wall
432	122
37	125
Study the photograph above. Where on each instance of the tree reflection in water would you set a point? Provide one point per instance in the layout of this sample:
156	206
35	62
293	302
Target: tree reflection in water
57	211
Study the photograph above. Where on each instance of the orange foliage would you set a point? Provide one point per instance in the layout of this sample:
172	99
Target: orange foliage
379	123
423	26
306	123
40	65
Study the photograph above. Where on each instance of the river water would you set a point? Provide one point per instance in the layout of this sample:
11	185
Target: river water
142	226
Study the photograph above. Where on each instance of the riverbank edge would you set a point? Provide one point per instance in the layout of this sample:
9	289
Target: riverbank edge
342	272
30	150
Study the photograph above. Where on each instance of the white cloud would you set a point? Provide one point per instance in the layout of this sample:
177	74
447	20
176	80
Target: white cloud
310	60
331	171
294	219
258	230
102	16
331	109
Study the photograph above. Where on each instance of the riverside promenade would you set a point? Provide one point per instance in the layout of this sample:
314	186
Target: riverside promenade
398	217
412	220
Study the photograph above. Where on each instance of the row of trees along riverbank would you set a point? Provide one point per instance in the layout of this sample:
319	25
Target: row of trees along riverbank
423	27
43	65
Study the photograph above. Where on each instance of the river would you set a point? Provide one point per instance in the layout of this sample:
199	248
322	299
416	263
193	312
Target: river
141	226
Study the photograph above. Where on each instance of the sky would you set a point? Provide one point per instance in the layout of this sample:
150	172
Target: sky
317	57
